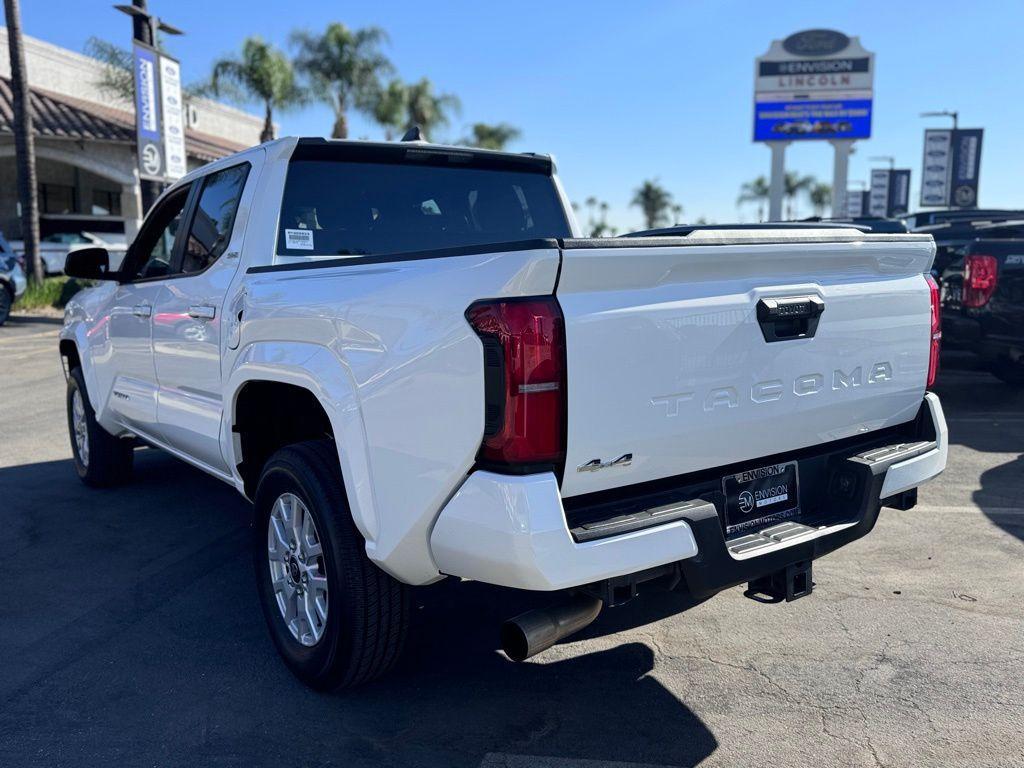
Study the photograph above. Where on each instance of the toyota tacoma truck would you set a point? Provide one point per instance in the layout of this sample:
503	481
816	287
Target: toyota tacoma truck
410	361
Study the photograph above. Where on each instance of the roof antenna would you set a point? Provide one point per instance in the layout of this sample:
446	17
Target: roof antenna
414	134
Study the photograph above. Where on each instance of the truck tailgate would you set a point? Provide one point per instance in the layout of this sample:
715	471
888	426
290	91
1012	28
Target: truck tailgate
670	366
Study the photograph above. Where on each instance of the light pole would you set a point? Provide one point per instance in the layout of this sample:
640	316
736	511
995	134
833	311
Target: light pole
944	113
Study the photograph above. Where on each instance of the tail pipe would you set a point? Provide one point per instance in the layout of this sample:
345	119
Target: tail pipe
534	631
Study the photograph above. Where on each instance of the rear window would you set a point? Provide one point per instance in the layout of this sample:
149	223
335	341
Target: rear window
342	208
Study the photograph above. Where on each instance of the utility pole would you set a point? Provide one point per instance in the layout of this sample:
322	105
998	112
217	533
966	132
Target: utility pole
24	143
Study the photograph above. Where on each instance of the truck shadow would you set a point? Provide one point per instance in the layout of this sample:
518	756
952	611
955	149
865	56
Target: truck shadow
987	415
142	638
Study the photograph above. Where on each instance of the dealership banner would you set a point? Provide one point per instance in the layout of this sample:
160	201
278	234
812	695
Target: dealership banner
889	195
148	125
174	119
951	166
159	115
856	203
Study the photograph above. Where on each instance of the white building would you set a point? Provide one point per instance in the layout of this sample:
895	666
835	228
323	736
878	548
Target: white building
85	143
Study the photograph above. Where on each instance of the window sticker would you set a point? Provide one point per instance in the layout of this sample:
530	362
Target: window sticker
299	239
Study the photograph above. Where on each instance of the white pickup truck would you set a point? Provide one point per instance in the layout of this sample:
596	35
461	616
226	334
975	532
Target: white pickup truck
410	361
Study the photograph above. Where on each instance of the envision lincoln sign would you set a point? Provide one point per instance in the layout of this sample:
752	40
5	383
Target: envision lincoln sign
815	84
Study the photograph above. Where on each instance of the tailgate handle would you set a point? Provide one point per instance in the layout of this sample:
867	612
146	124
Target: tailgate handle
789	317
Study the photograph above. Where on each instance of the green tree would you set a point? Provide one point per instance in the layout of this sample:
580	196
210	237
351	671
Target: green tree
344	67
261	73
793	184
427	109
655	202
116	79
488	136
390	106
820	195
756	191
597	218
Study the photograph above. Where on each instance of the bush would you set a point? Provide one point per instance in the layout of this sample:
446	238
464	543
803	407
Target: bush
53	292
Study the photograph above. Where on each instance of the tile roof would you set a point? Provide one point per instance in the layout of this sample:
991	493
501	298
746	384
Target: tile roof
59	116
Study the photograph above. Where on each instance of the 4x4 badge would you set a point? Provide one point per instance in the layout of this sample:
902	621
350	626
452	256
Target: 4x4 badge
595	464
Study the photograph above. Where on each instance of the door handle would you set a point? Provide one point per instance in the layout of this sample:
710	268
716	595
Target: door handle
142	310
202	312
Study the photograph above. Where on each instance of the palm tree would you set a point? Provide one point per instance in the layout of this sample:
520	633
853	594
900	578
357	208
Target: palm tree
427	109
116	79
793	184
756	191
655	201
820	195
24	145
487	136
597	218
390	105
344	68
262	73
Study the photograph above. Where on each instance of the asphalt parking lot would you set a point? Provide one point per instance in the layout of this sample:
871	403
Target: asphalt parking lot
130	632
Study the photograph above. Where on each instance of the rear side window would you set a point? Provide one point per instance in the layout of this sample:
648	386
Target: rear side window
214	217
343	208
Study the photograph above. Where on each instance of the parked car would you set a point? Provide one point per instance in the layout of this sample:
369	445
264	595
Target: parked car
410	361
12	279
953	235
983	301
54	248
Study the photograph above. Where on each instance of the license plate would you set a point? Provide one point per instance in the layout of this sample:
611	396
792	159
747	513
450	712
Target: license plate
759	496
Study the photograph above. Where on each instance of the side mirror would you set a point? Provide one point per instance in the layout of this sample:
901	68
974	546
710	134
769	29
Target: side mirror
89	264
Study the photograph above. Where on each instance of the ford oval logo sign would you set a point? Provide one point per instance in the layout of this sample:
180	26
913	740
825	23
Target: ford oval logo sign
816	42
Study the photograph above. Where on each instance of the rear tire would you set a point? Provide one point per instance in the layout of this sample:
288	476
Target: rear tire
1009	372
358	634
101	459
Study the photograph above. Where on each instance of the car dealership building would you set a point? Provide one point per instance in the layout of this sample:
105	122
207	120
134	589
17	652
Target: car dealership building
85	143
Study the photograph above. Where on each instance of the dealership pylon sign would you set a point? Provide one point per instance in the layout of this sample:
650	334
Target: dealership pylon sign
815	84
159	115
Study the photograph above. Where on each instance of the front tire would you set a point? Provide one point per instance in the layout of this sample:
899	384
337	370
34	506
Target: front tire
336	618
101	459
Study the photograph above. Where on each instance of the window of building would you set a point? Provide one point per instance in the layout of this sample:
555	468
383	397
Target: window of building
106	203
57	198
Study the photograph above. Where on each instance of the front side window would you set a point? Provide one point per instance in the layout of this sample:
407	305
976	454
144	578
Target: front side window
210	232
152	252
343	208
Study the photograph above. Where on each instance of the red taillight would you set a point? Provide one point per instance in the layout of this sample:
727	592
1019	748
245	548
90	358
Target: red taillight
981	274
936	333
524	380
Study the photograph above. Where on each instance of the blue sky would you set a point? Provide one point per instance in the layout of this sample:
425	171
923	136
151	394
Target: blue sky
620	92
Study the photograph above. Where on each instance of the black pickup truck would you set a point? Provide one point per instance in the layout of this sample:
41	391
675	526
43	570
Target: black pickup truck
983	301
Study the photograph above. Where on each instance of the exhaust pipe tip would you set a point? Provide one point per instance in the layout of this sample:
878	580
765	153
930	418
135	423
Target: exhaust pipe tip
534	631
514	641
